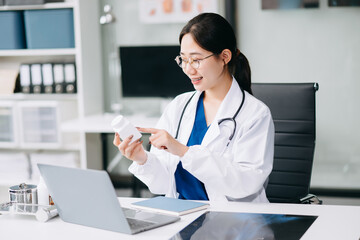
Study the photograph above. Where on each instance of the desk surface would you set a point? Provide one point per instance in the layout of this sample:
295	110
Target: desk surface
334	222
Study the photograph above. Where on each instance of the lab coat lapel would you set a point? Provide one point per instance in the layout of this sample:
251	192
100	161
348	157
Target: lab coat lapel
188	120
226	110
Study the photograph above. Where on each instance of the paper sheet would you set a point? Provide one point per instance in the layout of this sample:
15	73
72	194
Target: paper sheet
7	80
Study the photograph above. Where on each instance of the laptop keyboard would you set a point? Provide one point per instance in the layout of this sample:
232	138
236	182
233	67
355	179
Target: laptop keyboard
137	224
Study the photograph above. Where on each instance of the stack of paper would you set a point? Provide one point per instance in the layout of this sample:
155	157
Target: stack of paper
7	81
58	159
14	167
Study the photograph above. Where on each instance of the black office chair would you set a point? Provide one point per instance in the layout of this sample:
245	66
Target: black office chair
292	106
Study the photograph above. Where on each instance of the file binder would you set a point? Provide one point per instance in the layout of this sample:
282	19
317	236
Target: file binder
70	78
59	78
36	78
48	77
25	78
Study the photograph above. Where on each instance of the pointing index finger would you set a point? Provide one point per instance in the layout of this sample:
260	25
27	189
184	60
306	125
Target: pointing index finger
148	130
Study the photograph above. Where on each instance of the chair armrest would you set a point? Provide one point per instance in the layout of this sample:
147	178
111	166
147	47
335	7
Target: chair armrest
311	199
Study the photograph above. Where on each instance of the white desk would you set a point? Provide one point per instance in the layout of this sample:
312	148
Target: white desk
334	222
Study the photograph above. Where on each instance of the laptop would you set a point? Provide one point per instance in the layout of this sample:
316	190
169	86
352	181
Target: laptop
87	197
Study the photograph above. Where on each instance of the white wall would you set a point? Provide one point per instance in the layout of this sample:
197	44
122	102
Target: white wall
127	30
313	45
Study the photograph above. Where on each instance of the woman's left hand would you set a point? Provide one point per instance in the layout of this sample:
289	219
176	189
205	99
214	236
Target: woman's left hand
161	139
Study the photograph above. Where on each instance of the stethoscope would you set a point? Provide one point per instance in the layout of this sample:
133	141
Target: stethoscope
220	121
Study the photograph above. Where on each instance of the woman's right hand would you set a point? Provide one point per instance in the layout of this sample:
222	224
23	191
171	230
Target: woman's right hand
133	151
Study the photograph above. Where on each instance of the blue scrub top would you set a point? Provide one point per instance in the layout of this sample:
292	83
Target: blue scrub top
188	186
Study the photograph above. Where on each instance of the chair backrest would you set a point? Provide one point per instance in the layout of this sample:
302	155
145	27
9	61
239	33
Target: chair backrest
292	106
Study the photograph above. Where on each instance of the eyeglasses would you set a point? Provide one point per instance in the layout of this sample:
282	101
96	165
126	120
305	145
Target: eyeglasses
194	63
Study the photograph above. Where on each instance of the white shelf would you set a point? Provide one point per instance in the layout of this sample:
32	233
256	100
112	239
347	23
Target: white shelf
38	52
73	147
41	6
22	96
66	148
89	97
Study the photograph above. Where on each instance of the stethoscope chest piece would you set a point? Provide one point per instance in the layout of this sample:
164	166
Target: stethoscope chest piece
221	121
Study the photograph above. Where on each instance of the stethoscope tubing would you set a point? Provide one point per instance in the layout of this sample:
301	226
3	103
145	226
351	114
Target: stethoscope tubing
220	121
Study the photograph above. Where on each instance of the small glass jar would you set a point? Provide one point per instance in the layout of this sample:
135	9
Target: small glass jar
23	193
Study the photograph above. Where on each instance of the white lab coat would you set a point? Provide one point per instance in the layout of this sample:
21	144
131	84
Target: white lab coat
238	172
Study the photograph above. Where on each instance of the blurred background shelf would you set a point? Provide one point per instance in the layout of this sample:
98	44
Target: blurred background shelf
17	110
38	52
66	4
22	96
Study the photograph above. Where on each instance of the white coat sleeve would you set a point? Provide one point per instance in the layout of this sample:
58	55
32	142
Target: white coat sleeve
241	172
156	173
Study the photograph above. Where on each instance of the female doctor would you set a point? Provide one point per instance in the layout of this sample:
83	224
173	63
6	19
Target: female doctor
216	143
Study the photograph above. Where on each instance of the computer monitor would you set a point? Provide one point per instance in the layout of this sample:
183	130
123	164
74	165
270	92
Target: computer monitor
150	71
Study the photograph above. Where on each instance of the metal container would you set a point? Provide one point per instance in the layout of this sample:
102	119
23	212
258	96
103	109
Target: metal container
23	193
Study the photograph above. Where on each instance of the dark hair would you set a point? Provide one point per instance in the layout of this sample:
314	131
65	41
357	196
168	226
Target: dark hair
213	33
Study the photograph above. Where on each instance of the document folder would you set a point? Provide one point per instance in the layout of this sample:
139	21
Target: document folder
25	78
70	78
48	77
59	78
36	78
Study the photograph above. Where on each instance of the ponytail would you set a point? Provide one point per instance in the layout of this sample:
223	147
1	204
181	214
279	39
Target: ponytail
242	71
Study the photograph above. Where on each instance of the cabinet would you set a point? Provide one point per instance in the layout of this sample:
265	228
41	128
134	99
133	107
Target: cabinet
8	125
40	122
31	123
